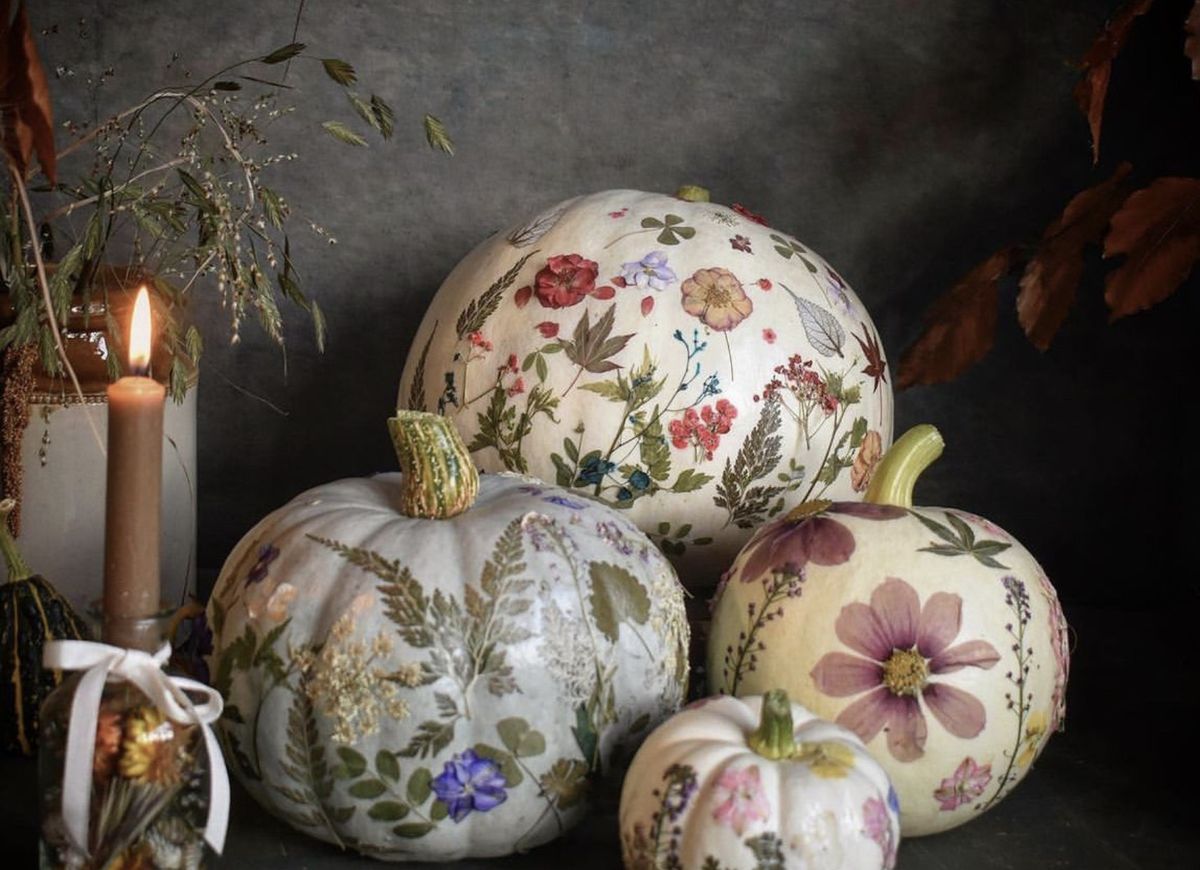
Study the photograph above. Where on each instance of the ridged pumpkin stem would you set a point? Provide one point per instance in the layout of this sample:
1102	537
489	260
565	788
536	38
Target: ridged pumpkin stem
900	467
775	736
693	193
17	568
440	479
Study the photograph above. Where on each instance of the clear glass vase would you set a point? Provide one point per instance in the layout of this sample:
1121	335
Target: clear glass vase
149	779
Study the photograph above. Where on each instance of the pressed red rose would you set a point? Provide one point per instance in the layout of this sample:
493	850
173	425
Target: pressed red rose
548	328
565	280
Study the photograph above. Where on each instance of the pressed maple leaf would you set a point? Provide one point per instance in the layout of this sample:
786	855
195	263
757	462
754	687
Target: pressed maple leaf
591	345
959	328
1052	275
876	367
1097	66
27	120
1191	45
1158	227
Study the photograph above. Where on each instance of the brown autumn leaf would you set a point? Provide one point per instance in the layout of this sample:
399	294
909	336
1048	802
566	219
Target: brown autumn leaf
959	328
27	116
1158	227
1096	66
1052	275
1191	45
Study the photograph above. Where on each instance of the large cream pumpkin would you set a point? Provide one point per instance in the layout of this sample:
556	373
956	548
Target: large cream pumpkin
418	673
931	633
673	358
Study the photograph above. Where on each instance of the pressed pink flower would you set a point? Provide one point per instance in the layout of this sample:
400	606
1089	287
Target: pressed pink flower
964	785
518	387
793	541
742	801
904	645
523	295
769	336
764	284
703	430
511	364
878	827
716	296
647	305
619	213
477	340
741	243
548	329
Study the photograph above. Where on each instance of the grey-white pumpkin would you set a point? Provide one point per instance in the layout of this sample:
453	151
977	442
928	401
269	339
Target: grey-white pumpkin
430	689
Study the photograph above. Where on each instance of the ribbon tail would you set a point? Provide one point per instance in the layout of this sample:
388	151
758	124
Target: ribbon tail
218	792
81	749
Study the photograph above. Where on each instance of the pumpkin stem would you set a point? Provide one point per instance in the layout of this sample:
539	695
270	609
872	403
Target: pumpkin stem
17	568
693	193
440	479
775	736
897	473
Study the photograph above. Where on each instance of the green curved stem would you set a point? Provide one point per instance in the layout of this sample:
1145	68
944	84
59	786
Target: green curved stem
900	467
775	736
440	480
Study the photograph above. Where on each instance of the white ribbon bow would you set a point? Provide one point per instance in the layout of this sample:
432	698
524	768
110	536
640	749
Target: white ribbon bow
102	663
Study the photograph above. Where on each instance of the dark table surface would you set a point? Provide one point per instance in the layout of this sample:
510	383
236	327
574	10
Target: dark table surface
1113	791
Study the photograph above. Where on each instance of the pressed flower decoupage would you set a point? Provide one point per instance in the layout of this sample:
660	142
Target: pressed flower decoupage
678	360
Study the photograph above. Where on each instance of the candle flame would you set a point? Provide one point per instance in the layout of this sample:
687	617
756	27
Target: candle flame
139	335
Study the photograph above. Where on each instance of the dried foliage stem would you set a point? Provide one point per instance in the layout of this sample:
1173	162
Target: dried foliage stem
44	285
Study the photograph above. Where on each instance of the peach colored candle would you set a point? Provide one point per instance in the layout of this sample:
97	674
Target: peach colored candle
134	495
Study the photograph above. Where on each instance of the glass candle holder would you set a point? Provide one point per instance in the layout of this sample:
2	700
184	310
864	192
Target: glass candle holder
148	779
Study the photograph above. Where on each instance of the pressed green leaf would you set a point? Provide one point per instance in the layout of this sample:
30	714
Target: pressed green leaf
413	830
287	52
616	596
387	766
519	738
342	133
438	811
368	788
566	782
388	811
340	71
419	786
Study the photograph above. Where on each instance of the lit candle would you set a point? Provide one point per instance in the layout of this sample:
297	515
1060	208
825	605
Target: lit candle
134	495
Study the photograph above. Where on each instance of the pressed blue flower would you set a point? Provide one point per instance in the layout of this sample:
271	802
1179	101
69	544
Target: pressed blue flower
470	783
623	494
639	480
592	471
563	501
651	271
893	800
267	554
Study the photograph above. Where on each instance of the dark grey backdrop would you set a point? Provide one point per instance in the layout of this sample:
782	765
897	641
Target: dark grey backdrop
903	139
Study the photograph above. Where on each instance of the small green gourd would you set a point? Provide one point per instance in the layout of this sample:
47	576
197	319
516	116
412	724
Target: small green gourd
32	612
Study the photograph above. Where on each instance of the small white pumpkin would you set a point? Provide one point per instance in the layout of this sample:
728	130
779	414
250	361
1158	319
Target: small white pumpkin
432	666
931	633
672	357
756	782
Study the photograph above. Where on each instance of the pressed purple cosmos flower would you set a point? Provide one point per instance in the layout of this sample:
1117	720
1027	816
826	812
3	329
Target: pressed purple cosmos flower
563	501
964	785
905	645
470	783
267	554
809	534
650	271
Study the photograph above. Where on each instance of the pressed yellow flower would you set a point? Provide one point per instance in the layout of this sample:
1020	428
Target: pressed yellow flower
1034	729
410	675
150	750
826	758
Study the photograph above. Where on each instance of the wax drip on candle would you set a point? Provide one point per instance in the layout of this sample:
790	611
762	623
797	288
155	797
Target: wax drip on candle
139	336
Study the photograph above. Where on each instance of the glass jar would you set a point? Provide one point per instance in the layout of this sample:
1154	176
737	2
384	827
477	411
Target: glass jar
149	778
